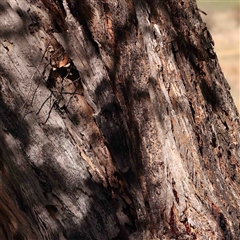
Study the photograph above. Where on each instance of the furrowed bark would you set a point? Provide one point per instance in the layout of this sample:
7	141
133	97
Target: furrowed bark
116	123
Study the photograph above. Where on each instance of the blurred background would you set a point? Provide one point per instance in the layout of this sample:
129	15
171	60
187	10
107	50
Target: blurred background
223	23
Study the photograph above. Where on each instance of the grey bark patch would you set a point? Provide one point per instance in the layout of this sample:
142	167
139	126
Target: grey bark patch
14	124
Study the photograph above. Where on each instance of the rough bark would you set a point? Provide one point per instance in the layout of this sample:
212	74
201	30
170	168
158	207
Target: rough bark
116	123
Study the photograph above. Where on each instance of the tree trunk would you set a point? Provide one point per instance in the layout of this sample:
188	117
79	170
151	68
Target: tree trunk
116	123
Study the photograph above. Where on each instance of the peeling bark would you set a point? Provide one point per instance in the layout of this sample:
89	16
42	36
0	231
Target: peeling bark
116	122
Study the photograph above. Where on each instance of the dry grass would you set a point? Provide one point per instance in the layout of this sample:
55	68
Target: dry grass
223	22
